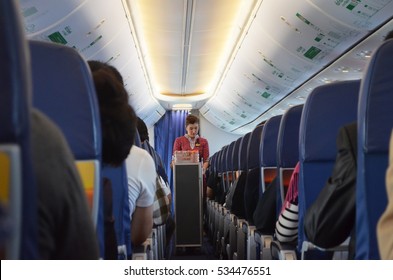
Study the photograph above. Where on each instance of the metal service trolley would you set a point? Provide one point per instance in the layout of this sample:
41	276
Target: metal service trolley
188	199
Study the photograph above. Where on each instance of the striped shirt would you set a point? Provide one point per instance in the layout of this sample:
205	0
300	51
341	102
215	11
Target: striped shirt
287	223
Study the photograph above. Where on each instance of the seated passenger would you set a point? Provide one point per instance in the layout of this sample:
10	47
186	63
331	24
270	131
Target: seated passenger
141	185
118	127
141	174
287	223
65	226
213	188
385	223
331	218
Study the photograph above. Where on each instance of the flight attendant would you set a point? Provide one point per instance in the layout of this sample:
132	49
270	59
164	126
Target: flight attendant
191	141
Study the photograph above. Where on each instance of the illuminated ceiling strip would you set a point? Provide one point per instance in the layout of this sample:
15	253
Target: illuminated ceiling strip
135	36
251	16
190	9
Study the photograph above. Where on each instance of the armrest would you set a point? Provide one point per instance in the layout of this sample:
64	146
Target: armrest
141	252
309	246
282	251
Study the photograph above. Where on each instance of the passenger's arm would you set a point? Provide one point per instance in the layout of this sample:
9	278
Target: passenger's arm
141	224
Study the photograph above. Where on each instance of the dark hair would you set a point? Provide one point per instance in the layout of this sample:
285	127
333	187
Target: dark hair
118	119
142	130
191	119
96	65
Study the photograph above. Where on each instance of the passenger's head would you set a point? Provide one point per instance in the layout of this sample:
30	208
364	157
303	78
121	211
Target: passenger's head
142	130
118	119
192	125
97	65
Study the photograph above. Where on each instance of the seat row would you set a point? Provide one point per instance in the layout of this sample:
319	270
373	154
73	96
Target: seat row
307	134
57	81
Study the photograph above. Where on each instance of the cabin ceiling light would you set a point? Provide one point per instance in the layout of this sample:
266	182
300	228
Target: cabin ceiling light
204	39
182	106
342	69
365	54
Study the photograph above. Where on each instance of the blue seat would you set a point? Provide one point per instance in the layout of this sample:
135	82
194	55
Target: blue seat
253	181
229	165
268	164
121	208
237	208
235	156
268	148
375	122
70	101
287	157
17	183
252	192
287	150
321	120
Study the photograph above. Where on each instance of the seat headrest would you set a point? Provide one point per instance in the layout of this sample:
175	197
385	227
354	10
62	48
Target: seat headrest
376	99
229	156
327	108
236	153
64	90
243	151
288	138
269	142
253	148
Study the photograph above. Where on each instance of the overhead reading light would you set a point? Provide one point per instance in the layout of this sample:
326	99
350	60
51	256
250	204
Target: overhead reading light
181	106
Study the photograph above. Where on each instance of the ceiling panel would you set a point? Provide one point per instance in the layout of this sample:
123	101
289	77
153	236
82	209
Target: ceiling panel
272	64
39	14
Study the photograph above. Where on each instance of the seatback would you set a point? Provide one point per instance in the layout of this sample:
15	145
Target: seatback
17	182
321	120
243	152
70	100
235	154
223	166
121	209
238	193
229	161
253	180
375	122
287	150
268	151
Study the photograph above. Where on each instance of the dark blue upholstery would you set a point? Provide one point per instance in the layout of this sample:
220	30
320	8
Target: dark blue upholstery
253	149
64	90
268	147
268	155
229	156
224	167
252	189
327	108
235	154
15	97
375	122
121	207
287	146
288	138
243	152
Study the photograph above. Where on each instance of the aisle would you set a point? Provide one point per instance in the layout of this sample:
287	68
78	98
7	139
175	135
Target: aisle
206	252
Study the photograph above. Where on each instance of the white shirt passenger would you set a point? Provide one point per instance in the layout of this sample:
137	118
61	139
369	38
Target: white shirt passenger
141	176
